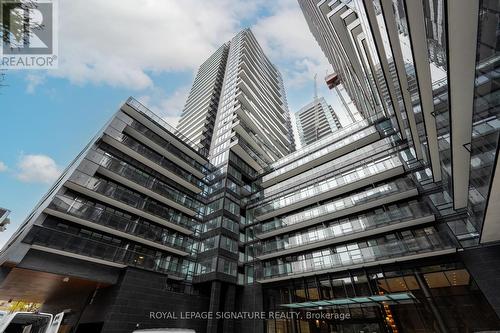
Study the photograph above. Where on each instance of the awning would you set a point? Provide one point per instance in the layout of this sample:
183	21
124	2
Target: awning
393	298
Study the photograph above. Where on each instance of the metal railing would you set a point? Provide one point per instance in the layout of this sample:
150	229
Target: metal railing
108	250
133	199
348	226
138	106
137	176
133	225
353	254
339	204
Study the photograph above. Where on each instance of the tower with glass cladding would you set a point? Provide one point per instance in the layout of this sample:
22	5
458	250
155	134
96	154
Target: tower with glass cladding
390	219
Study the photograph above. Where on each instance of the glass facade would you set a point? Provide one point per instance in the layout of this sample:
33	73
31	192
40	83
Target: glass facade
395	299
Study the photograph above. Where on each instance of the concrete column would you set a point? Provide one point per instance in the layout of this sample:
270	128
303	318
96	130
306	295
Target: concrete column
229	306
214	306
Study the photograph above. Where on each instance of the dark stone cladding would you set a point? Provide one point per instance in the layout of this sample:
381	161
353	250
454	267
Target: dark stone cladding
140	292
250	299
483	264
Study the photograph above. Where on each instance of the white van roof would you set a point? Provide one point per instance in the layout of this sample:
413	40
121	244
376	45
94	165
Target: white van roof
166	330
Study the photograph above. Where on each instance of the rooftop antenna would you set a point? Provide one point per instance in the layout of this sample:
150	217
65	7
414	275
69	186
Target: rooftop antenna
316	86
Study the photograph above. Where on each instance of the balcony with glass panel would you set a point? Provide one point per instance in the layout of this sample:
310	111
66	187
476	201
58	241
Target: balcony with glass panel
247	154
257	143
408	246
374	222
334	150
196	151
199	169
88	214
166	193
253	99
126	199
151	158
383	194
326	141
359	157
109	251
350	180
274	136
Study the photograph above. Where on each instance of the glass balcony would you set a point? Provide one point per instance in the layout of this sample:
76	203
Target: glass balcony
135	104
253	154
407	243
337	205
324	151
354	159
121	222
133	199
139	177
345	131
349	226
258	141
330	184
158	159
168	146
109	249
243	166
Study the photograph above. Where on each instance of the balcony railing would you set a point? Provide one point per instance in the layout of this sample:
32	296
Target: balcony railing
252	153
158	159
330	184
264	146
337	205
348	226
168	146
343	256
136	226
133	199
81	245
137	176
337	135
326	150
138	106
357	158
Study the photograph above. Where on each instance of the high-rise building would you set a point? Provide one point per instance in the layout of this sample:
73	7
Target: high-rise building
121	219
316	120
4	218
386	225
198	117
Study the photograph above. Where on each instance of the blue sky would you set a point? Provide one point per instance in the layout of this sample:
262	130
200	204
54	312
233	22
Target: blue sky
151	53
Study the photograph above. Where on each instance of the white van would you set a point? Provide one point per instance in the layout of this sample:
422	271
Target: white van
29	322
166	330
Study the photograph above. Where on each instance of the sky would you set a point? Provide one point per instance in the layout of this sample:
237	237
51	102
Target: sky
150	49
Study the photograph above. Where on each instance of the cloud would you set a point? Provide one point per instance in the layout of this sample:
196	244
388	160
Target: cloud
37	169
166	105
129	40
33	82
3	167
129	43
286	39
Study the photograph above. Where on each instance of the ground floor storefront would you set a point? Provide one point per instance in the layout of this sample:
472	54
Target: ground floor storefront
439	297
